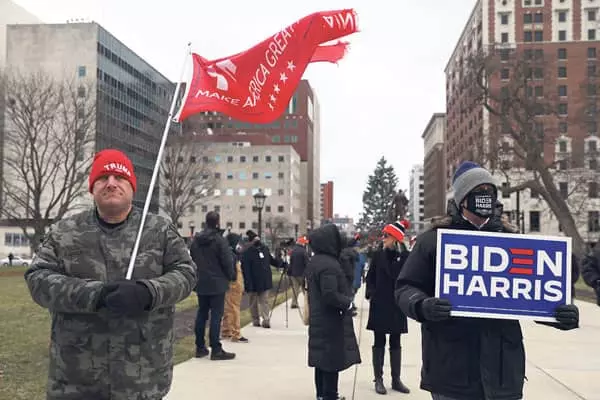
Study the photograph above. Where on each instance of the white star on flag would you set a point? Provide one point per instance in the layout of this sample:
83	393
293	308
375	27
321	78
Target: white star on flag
283	77
271	106
291	66
273	98
276	88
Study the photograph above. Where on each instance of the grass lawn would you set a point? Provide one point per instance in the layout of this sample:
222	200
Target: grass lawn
25	335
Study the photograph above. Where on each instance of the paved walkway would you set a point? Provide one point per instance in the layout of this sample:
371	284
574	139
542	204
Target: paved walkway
560	365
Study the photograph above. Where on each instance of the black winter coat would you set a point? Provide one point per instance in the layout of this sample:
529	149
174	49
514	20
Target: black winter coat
298	261
462	358
348	259
384	315
212	255
332	344
256	267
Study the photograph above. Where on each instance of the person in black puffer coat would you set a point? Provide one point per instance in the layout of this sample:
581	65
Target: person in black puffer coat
384	315
466	358
332	345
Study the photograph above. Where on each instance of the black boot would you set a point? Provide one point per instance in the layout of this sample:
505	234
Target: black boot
396	367
378	356
221	355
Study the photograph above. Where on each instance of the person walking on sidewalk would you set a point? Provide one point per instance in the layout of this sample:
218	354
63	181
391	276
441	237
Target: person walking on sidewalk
332	345
258	278
466	358
385	318
212	255
230	327
298	262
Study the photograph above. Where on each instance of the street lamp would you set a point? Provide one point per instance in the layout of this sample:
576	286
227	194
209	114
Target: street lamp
192	226
259	203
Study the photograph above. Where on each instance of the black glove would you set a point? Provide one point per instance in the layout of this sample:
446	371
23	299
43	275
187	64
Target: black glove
435	309
127	298
567	316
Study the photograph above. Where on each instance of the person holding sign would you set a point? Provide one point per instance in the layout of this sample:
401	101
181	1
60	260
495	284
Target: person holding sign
384	316
466	358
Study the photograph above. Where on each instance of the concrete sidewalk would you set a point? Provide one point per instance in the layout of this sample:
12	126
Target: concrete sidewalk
273	366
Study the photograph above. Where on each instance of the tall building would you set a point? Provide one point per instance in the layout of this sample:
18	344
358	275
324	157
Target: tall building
559	42
434	192
132	98
298	126
326	201
241	168
12	14
416	189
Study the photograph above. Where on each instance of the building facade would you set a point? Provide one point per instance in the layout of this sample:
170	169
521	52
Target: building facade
242	169
416	202
326	201
131	97
298	126
434	176
558	41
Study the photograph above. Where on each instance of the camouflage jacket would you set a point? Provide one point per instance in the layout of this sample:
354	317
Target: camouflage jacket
93	354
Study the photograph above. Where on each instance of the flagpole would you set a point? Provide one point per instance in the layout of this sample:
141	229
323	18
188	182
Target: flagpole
157	166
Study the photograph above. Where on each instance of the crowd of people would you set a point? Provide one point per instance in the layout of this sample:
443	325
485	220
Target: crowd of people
112	338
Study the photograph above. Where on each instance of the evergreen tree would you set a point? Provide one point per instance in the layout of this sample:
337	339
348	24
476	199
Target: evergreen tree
377	197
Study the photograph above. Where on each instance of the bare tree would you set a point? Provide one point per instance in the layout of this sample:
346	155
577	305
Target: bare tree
48	148
528	122
277	228
187	177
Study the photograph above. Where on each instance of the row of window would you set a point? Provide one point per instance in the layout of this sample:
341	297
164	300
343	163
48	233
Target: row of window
242	225
242	207
15	240
535	221
230	159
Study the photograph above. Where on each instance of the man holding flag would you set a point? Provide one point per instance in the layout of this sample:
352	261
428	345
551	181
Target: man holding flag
111	338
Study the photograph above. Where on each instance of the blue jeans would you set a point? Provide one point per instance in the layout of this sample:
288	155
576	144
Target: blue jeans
215	304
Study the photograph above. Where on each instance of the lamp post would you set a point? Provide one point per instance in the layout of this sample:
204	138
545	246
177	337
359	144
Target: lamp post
259	203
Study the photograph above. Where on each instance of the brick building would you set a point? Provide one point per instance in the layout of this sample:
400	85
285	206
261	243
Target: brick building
434	189
559	41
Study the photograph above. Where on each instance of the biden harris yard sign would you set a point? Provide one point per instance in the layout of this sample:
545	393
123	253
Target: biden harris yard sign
503	275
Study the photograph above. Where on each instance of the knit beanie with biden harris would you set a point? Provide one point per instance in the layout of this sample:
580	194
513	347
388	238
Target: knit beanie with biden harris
112	162
467	177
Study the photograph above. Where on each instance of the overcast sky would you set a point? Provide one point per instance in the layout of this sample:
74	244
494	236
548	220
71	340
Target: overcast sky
375	103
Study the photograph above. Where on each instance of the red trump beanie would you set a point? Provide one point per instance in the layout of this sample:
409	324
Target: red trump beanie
112	162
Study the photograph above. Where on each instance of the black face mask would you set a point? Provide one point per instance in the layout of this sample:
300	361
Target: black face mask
481	204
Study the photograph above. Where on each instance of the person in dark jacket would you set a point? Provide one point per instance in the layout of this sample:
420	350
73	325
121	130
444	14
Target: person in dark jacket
590	270
385	318
465	358
298	262
332	345
348	260
258	278
211	253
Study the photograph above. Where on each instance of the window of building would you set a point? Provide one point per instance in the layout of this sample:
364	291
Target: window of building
591	52
562	72
593	221
81	71
281	175
255	158
593	164
593	190
562	36
281	158
229	176
255	175
242	192
276	139
504	37
591	14
268	175
217	208
268	158
242	159
242	225
563	188
504	74
538	18
280	209
229	192
527	18
563	109
562	54
229	159
534	221
505	195
562	16
280	192
528	36
591	34
538	36
504	19
243	175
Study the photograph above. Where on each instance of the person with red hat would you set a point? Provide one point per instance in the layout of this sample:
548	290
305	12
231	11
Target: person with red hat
111	336
385	318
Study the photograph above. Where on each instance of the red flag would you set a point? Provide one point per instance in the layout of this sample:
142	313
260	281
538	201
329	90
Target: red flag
256	85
